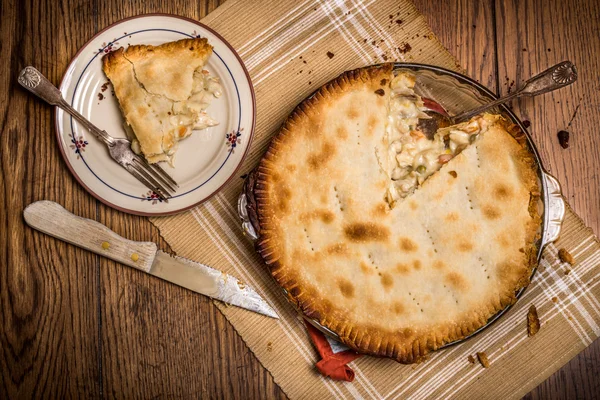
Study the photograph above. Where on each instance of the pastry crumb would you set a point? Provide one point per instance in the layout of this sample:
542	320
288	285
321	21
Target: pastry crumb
105	245
483	359
565	256
404	48
533	322
555	299
471	359
567	271
453	174
269	346
563	139
330	54
241	285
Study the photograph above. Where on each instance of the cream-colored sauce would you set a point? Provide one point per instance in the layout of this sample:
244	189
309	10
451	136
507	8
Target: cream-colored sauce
412	158
191	113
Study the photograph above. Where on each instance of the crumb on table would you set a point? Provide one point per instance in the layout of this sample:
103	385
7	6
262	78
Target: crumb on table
533	322
483	359
565	256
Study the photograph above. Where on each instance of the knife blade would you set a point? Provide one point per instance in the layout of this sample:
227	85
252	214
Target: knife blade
52	219
211	282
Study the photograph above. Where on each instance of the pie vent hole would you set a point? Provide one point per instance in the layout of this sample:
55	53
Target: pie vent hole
477	154
309	241
484	267
414	298
432	241
373	262
337	196
469	197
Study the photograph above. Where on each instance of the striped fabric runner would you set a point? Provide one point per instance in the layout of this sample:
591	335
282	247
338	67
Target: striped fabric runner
284	45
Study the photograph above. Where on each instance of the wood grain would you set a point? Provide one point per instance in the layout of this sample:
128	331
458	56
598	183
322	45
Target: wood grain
48	293
531	36
520	26
467	28
177	343
75	325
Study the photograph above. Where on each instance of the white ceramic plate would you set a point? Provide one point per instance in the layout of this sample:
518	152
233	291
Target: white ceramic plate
204	162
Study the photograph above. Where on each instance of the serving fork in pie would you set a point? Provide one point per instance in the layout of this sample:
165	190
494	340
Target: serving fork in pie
397	243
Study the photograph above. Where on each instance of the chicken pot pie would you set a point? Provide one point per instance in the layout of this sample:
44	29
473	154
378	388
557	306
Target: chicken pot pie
397	243
163	92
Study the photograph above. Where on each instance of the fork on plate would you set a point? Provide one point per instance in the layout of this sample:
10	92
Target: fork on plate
151	175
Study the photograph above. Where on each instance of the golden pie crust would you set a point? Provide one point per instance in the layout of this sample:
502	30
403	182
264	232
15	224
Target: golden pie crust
148	81
397	282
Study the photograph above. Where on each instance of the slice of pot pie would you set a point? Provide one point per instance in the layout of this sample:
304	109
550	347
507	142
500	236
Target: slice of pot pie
397	243
163	92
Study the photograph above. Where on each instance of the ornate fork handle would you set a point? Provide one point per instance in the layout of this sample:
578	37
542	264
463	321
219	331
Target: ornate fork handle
32	80
556	77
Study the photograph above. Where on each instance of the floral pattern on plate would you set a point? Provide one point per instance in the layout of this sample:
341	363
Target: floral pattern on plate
232	139
78	144
153	197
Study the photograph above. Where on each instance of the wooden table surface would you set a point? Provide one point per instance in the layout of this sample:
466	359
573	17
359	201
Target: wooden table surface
75	325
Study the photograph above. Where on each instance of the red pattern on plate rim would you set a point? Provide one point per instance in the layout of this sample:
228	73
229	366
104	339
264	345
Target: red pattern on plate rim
232	139
78	144
253	111
152	196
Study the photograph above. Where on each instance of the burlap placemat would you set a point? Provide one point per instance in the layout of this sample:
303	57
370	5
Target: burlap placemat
285	46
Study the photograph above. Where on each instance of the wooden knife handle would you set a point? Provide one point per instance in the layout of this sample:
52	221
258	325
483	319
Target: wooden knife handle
52	219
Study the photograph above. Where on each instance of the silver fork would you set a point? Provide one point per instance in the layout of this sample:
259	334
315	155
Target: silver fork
151	175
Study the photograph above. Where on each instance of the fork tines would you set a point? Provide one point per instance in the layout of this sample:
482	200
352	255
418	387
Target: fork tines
153	176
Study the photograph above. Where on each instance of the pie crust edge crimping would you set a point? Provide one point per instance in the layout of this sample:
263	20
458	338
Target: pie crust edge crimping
408	345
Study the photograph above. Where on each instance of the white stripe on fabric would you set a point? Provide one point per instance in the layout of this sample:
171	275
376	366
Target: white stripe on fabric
247	277
229	255
350	387
359	373
291	54
577	246
492	355
506	323
574	249
431	386
495	331
573	322
244	49
574	275
286	37
364	56
344	32
388	39
562	286
232	237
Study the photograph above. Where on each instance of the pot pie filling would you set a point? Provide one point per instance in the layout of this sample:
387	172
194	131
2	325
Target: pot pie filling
187	115
412	157
393	270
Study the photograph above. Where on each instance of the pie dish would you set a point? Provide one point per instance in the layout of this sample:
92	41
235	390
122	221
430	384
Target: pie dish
394	276
163	92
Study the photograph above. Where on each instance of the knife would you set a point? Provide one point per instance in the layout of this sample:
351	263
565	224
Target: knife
52	219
